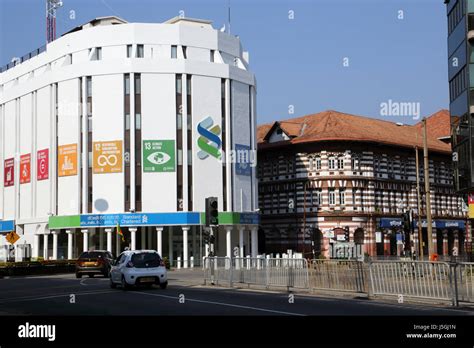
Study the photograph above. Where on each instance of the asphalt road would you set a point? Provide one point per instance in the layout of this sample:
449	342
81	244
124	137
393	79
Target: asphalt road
51	295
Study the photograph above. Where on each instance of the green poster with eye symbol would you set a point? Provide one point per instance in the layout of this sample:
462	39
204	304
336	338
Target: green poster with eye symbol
158	156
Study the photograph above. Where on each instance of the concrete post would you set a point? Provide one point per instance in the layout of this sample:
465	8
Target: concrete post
133	235
69	244
45	246
85	238
159	240
241	241
185	246
254	242
55	244
228	239
109	239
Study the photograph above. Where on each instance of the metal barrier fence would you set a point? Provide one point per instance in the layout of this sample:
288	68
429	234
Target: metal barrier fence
341	275
289	273
464	281
421	280
415	279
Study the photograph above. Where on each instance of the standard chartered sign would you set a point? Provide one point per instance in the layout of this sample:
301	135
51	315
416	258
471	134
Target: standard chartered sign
158	156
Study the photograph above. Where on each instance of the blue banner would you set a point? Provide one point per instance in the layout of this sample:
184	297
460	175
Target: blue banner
459	224
242	160
249	218
7	225
137	219
390	222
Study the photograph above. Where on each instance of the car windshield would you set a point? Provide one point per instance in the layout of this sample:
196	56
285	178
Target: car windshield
91	255
146	260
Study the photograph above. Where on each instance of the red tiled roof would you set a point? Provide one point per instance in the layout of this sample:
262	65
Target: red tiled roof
336	126
438	124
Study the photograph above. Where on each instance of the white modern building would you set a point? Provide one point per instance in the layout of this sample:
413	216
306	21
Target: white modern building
129	124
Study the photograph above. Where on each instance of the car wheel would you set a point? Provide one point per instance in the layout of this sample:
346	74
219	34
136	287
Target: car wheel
78	275
163	285
125	285
112	284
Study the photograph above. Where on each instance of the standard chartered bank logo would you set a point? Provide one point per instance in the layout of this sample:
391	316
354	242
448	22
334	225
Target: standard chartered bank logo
209	141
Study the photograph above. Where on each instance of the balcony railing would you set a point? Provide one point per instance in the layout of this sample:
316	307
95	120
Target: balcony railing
23	59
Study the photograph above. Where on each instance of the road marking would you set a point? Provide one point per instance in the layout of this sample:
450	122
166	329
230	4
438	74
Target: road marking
29	298
81	282
225	304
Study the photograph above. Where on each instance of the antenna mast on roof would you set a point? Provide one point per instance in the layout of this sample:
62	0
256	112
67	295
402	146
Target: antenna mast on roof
51	7
228	16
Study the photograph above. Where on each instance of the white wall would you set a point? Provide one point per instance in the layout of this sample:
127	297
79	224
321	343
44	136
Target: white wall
108	125
9	152
26	119
69	133
43	141
241	135
207	173
159	191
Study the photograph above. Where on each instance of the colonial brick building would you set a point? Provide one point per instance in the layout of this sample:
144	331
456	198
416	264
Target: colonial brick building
332	178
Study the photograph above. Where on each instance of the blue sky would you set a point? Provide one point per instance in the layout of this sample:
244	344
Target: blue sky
297	61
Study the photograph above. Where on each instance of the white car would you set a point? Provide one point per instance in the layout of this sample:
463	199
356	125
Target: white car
138	267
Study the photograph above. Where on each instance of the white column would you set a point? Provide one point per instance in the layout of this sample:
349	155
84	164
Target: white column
159	240
170	244
69	244
132	146
133	233
45	246
241	241
228	239
85	239
254	242
185	246
143	242
36	246
55	244
109	239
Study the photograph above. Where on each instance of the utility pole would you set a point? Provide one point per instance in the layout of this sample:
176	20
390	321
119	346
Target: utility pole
429	226
420	233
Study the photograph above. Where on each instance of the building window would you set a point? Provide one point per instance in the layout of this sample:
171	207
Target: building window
185	53
129	51
213	53
140	51
318	163
340	163
332	163
138	121
342	196
355	163
174	52
332	197
97	54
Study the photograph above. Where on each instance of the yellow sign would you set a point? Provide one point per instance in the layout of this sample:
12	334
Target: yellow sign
108	157
12	237
67	160
470	202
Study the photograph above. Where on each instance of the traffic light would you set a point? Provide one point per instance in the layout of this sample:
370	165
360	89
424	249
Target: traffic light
212	211
205	236
346	233
406	218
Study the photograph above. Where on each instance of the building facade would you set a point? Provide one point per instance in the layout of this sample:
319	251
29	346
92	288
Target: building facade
461	84
331	180
128	125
